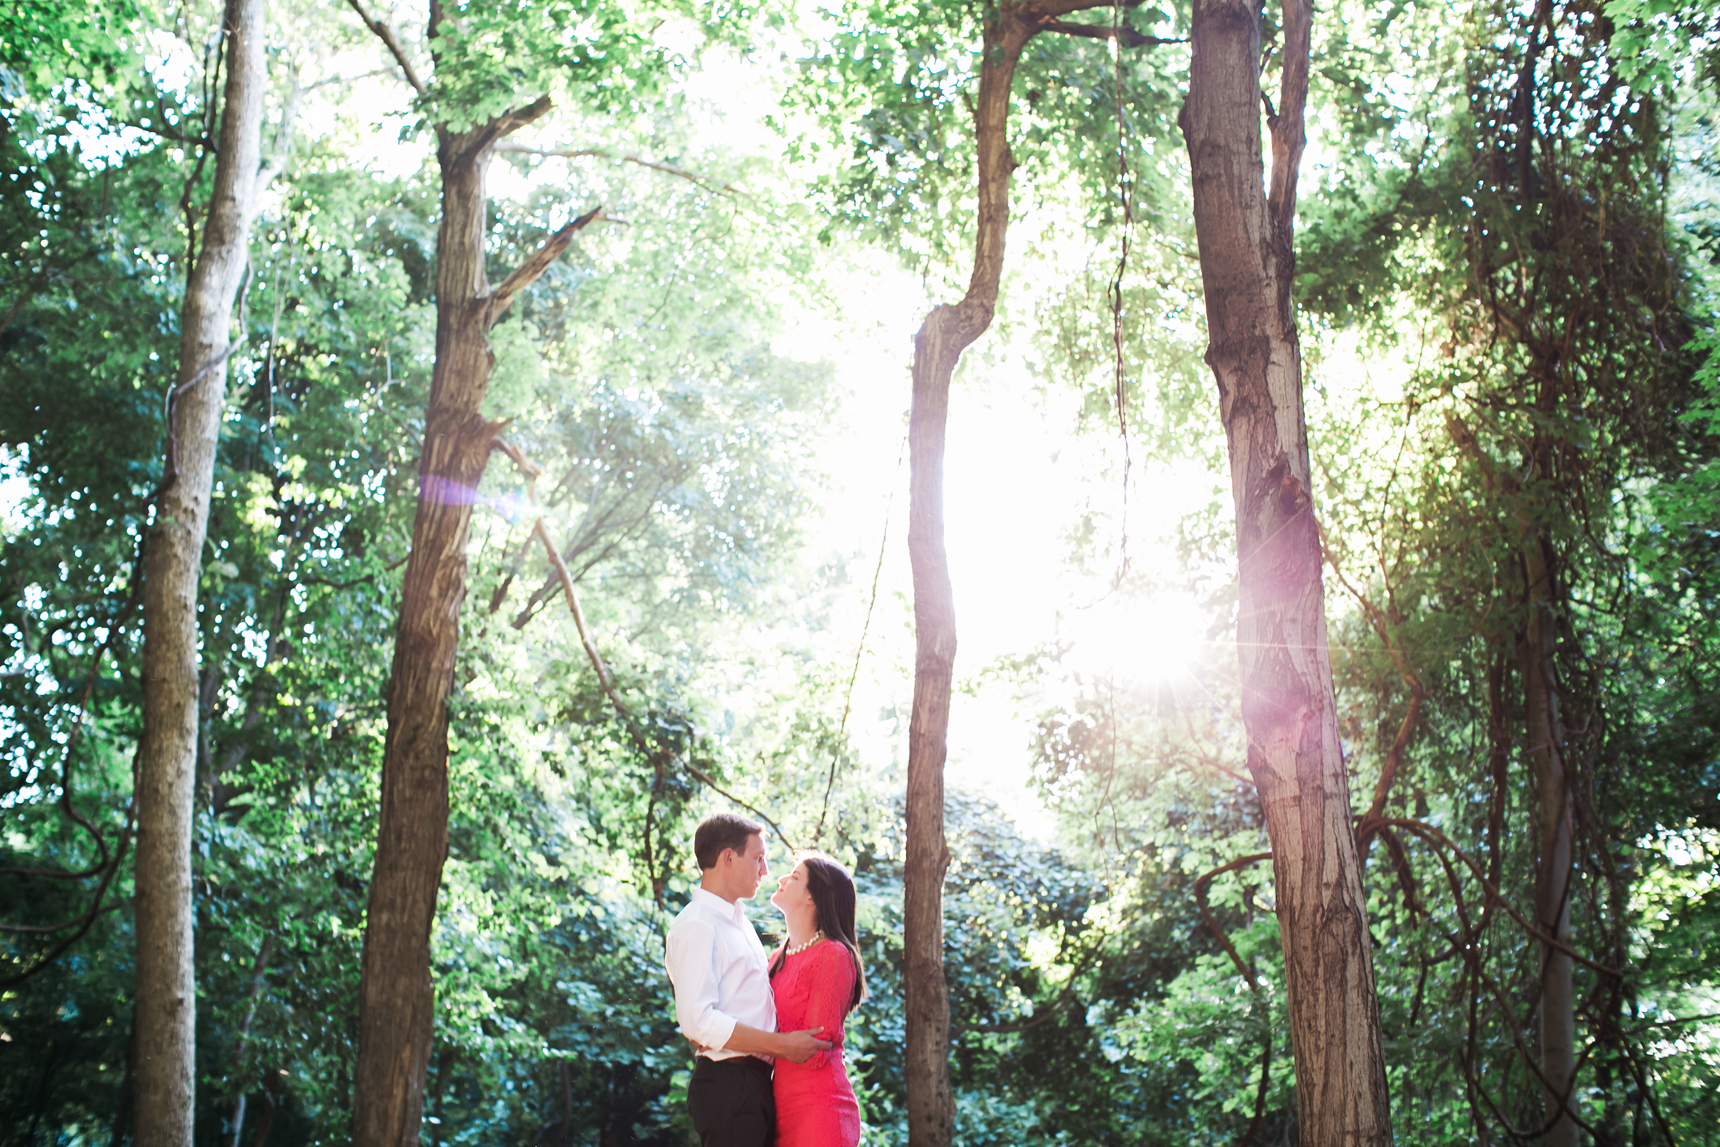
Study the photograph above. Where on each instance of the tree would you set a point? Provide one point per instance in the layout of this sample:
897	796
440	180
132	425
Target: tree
678	441
1511	574
167	752
475	105
1093	994
1288	705
948	331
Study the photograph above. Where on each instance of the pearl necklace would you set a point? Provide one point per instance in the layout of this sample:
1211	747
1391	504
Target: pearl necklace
799	948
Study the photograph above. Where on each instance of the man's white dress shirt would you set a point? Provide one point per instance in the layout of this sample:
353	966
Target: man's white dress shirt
720	973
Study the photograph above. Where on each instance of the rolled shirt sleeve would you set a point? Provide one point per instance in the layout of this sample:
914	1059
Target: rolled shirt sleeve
691	958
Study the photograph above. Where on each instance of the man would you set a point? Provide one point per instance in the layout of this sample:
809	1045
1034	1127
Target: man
722	991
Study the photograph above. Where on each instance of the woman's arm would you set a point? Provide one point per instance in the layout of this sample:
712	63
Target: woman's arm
831	979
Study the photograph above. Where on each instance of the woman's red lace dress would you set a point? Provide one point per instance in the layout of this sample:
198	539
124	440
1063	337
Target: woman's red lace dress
814	1104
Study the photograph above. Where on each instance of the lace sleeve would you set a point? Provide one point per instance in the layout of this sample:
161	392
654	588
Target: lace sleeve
830	980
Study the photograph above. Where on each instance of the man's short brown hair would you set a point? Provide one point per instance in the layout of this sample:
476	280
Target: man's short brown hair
719	831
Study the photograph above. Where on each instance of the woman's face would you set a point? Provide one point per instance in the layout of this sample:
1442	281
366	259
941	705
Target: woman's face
791	893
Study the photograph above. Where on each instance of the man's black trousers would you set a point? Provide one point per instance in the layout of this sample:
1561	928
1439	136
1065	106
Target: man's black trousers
731	1102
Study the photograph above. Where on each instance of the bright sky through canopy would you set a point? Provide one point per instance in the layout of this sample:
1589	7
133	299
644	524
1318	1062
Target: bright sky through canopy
1018	476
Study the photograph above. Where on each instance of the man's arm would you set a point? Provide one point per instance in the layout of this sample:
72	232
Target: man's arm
796	1047
690	957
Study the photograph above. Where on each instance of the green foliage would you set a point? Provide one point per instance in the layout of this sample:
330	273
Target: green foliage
46	43
641	377
892	85
489	58
683	465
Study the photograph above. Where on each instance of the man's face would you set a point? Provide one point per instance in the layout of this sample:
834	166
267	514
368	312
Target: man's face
748	869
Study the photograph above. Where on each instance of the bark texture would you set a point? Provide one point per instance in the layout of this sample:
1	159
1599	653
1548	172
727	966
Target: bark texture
396	1002
167	755
1244	233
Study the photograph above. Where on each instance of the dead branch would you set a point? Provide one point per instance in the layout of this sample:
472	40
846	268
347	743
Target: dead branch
497	301
617	157
627	530
1124	35
386	35
503	125
604	680
607	683
530	469
596	659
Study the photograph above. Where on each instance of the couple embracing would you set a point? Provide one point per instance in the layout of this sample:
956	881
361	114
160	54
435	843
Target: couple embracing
748	1012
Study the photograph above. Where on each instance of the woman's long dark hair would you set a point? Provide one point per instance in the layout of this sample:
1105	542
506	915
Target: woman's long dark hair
833	898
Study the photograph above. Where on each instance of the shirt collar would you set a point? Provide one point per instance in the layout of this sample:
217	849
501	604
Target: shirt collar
716	903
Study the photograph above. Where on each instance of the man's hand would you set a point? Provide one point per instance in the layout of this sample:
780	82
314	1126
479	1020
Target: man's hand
800	1046
796	1047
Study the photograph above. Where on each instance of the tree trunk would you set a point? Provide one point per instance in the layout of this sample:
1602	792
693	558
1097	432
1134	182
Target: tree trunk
395	999
1544	740
396	1003
167	757
948	330
1288	708
238	1120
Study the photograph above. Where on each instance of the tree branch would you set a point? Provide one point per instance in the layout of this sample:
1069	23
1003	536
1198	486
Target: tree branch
1212	925
567	589
599	153
386	35
168	131
497	301
1434	836
505	124
1289	132
1417	691
1051	9
89	918
607	683
1125	35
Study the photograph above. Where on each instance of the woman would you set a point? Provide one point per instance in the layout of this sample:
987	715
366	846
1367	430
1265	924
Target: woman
817	980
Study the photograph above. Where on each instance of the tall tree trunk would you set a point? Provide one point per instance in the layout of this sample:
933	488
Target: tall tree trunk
396	1002
1544	741
947	331
167	757
1245	234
